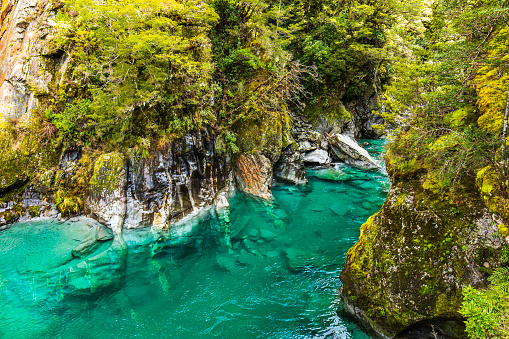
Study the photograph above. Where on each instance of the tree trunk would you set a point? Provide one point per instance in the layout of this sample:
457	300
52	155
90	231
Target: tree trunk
504	133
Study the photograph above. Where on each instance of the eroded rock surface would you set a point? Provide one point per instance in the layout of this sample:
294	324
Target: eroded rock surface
290	168
106	198
254	175
158	190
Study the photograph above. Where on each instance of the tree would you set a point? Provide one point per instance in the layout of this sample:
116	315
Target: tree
146	65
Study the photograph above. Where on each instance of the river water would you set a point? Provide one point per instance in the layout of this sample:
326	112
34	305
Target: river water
270	271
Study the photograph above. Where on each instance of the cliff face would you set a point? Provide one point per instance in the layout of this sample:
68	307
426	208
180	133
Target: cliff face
27	26
415	256
128	188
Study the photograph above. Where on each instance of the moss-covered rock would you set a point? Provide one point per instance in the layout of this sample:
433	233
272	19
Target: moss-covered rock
268	135
415	256
261	143
493	189
106	195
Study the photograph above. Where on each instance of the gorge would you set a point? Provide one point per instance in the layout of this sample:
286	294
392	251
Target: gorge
190	168
270	271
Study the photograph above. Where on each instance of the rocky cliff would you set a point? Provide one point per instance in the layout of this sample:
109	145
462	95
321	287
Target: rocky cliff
26	28
158	187
415	256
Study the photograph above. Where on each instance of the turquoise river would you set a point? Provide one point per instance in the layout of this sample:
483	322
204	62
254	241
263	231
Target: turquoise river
272	271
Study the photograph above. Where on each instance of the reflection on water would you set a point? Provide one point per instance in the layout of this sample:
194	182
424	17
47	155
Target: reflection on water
264	271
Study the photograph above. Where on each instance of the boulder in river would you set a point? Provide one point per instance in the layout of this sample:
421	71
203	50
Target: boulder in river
352	153
319	156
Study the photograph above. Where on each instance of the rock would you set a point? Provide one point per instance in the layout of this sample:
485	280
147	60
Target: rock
238	226
251	246
103	233
253	173
267	235
290	168
366	205
340	209
305	146
352	153
315	137
84	247
106	197
331	174
413	259
248	259
179	181
261	143
297	258
253	234
221	203
99	235
226	262
319	156
26	28
272	254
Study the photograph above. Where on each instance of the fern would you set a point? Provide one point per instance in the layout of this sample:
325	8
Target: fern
500	280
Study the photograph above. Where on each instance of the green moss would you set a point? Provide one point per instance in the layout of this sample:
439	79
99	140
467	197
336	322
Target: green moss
400	167
463	116
503	230
71	186
34	211
404	251
448	304
330	108
494	196
267	135
9	216
107	172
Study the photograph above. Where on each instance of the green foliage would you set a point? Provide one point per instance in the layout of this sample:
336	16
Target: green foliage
432	90
145	65
483	312
348	43
487	311
70	122
231	141
500	280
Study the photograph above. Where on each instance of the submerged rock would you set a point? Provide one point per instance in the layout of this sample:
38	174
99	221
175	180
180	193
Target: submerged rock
226	263
98	236
248	259
267	235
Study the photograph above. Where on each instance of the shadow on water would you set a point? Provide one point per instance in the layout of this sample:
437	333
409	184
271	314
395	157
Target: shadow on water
266	270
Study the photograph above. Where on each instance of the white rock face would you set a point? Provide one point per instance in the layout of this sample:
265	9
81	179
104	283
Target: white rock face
352	153
318	156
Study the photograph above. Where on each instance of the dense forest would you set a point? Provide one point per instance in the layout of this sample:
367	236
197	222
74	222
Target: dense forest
143	73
